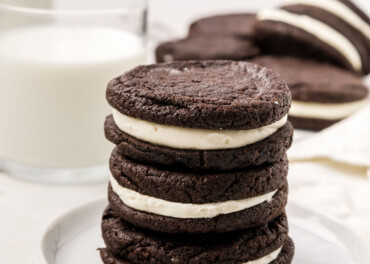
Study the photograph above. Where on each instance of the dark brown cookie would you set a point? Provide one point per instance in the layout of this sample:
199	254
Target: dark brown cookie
206	48
315	82
311	81
359	41
202	94
109	258
362	15
240	25
311	123
243	219
136	245
285	256
285	40
269	150
197	188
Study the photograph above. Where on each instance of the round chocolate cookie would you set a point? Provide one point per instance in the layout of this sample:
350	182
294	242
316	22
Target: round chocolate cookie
240	25
285	40
361	14
269	150
359	41
307	31
317	85
359	25
314	81
206	48
313	124
285	256
197	188
212	95
247	218
129	244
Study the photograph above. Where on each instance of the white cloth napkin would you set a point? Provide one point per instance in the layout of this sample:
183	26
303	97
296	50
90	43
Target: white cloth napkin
330	171
337	189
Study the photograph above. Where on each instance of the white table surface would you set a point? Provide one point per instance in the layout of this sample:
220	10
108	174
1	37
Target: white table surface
27	208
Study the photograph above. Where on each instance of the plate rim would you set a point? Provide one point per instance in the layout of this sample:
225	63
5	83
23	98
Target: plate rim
53	223
291	205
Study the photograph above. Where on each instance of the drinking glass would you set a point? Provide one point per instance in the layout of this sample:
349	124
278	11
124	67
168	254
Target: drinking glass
56	58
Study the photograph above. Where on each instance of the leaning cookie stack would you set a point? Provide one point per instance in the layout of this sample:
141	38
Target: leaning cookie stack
305	41
334	31
329	31
199	172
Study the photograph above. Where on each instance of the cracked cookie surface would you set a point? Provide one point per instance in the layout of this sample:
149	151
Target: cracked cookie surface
197	188
202	94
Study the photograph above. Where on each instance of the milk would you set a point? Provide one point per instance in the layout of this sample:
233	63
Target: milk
52	92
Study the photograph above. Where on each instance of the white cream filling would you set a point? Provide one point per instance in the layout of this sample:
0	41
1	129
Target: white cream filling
325	111
266	259
157	206
319	29
192	138
340	10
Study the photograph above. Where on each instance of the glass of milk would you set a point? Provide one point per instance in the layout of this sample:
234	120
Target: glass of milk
56	59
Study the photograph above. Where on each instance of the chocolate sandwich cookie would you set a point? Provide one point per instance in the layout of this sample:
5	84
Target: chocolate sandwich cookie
182	110
348	16
322	30
358	40
268	150
206	48
178	202
322	94
126	243
239	25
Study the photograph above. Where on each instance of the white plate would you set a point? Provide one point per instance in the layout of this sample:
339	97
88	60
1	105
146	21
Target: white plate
74	237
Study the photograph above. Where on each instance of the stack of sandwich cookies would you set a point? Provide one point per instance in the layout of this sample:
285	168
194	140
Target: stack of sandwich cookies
226	37
335	31
166	195
322	94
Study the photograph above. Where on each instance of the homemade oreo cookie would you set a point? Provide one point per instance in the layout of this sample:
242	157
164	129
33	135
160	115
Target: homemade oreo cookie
239	25
322	94
268	150
197	113
331	31
184	202
206	48
126	243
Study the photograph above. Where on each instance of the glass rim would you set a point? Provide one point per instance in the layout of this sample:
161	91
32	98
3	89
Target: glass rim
129	7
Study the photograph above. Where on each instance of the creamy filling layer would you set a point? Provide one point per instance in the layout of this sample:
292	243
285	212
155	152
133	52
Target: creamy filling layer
266	259
157	206
325	111
340	10
192	138
318	29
